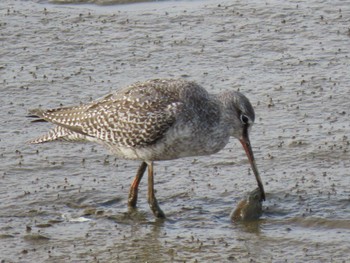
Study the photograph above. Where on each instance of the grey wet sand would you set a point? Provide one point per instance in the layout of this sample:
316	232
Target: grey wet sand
290	57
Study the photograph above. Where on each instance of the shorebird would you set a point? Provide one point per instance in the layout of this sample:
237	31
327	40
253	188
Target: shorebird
160	119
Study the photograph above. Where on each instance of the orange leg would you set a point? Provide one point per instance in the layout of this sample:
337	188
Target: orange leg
153	203
132	200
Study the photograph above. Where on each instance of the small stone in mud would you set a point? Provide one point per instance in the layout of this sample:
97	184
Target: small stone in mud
99	212
3	236
249	208
35	237
43	225
89	211
54	221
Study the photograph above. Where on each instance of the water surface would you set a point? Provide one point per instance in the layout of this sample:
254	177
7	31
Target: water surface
64	202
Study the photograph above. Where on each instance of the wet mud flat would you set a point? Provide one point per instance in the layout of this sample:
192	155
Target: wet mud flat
66	202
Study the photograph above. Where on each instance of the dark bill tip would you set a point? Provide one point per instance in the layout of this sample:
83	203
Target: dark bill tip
249	152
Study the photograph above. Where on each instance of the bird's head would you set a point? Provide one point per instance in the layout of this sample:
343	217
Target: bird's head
240	113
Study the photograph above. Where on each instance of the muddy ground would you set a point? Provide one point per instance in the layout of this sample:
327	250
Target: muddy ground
64	202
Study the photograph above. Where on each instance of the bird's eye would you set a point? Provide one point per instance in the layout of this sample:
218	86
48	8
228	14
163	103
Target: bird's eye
244	119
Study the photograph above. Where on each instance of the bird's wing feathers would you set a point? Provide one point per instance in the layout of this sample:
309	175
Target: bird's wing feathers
136	116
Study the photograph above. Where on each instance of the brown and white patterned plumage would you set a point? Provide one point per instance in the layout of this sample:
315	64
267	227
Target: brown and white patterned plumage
174	113
158	119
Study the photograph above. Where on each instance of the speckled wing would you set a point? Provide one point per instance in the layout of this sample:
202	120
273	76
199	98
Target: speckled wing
136	116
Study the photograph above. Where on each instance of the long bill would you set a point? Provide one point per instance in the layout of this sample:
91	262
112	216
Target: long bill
248	150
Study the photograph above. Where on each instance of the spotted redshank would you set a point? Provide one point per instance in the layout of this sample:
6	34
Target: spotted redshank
160	119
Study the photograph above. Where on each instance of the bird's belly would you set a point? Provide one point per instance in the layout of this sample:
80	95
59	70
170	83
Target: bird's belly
177	143
183	144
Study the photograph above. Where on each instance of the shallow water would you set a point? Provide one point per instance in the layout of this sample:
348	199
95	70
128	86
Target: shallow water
66	202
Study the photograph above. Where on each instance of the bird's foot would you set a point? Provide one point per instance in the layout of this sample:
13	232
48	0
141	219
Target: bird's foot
132	200
156	209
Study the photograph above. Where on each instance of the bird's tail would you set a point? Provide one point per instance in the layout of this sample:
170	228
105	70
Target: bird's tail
54	134
57	133
36	115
